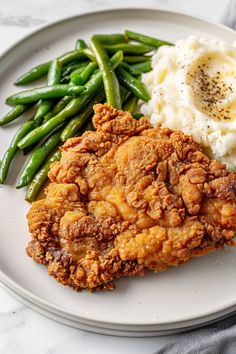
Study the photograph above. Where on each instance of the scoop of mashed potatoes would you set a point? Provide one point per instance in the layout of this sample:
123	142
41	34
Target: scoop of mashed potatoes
193	89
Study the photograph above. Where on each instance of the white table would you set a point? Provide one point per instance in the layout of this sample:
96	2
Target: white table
22	331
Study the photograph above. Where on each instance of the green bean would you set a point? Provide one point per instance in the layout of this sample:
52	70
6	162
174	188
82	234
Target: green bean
54	73
59	106
76	123
89	54
111	38
95	83
78	71
132	84
137	116
139	68
72	108
37	158
124	94
82	77
80	44
75	62
34	74
130	69
128	48
43	108
146	39
70	68
45	92
130	104
54	77
39	71
110	81
89	126
14	114
65	80
143	67
41	177
12	149
29	148
136	58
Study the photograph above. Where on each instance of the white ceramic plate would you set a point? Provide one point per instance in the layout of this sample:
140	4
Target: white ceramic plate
191	295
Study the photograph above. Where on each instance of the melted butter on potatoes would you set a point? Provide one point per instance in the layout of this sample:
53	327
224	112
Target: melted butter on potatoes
212	79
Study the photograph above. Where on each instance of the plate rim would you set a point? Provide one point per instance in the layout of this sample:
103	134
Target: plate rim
60	311
53	23
113	331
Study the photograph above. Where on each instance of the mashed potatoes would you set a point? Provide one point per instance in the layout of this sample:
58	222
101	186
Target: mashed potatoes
193	89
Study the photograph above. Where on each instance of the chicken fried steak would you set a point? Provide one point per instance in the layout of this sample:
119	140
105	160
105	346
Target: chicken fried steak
126	198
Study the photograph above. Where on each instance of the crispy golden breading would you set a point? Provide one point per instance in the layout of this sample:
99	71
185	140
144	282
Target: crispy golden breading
127	198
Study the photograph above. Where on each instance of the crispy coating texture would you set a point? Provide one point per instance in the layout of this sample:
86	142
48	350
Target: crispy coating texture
128	198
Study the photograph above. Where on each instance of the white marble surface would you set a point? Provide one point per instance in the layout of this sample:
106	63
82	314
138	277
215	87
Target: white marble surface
22	331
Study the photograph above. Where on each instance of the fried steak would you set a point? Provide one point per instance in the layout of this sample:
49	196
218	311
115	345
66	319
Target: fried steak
128	198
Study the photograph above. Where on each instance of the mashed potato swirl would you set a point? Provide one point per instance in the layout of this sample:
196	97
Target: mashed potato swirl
193	89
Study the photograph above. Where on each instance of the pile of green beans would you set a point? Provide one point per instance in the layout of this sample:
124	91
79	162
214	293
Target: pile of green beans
106	69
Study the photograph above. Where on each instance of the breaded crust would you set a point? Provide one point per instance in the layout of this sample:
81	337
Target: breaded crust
127	198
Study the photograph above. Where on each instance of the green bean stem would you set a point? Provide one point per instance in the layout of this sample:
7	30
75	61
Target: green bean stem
132	84
72	108
41	177
110	81
16	112
45	92
12	149
37	158
80	44
146	39
40	70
